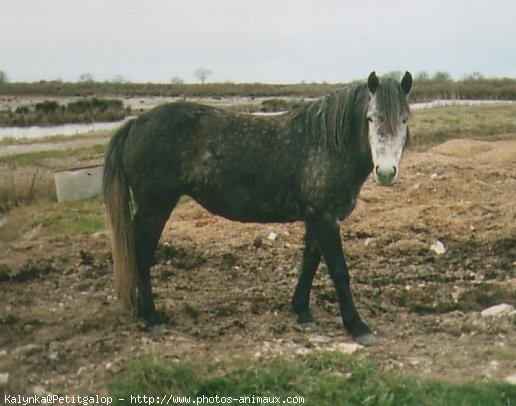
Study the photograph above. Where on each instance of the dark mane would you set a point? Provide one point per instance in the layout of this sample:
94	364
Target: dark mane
335	119
332	120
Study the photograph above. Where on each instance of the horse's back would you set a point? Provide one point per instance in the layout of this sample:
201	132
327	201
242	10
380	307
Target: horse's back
241	167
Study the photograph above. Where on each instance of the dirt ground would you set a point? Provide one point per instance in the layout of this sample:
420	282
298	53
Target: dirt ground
226	287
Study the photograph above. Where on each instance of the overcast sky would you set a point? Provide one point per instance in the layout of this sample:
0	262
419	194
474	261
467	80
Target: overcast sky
254	41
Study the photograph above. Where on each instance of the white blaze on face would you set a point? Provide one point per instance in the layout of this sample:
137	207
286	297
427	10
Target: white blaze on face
386	147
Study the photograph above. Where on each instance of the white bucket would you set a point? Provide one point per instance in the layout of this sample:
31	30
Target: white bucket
78	183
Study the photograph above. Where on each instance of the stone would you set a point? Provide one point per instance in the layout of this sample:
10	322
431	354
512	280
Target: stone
438	247
348	348
4	378
498	310
272	236
39	391
511	379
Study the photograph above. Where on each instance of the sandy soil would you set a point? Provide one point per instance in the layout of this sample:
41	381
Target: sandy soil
226	287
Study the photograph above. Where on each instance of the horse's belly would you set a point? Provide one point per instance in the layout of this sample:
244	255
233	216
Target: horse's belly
245	207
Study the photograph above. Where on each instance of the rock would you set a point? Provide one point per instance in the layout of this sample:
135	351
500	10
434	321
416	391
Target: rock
100	235
4	378
498	310
511	379
318	339
26	349
53	356
272	236
438	247
302	350
348	348
39	391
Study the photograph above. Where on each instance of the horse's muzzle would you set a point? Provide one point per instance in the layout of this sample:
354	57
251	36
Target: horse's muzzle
385	175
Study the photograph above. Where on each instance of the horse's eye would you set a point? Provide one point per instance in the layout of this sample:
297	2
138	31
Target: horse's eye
404	121
369	119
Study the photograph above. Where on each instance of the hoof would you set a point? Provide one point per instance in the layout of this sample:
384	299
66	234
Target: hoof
366	339
154	319
304	317
158	328
308	325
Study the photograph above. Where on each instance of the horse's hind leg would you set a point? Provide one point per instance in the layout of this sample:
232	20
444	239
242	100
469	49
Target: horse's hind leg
149	221
309	264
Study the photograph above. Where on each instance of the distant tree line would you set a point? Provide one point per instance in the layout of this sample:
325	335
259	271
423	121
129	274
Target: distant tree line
439	85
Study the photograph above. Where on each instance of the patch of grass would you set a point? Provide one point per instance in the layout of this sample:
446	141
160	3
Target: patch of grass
24	186
321	378
430	127
49	158
81	217
55	138
50	219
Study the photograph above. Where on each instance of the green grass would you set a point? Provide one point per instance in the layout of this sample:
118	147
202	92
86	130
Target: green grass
55	138
49	158
433	126
80	217
321	378
53	219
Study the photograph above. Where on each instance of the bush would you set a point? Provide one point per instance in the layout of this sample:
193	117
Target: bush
51	112
272	105
47	106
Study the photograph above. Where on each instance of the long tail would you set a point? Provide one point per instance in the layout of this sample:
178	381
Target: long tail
117	198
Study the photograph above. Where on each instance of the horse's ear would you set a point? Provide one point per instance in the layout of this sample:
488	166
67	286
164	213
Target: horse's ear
406	82
372	82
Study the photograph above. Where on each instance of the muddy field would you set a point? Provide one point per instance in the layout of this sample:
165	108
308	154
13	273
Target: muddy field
225	287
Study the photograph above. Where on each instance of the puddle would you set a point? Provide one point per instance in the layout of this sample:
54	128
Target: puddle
450	102
65	129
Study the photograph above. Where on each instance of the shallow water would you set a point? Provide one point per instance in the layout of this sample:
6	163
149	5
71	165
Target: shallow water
451	102
73	129
64	129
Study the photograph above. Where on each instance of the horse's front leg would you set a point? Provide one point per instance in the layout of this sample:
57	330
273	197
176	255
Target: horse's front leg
309	264
327	232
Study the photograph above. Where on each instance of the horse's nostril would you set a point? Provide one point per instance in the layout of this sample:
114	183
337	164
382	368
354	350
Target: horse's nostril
385	174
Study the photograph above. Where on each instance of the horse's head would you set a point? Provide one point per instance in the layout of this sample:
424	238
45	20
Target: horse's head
387	116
